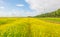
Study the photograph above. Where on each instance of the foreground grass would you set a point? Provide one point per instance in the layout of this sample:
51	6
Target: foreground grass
28	27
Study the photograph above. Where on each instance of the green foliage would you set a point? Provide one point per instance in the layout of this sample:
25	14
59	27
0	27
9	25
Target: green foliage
50	14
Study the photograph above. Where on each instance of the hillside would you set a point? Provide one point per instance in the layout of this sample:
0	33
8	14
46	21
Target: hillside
50	14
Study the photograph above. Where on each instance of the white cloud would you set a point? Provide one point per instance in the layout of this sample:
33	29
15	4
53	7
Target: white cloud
42	6
16	13
13	13
19	5
2	7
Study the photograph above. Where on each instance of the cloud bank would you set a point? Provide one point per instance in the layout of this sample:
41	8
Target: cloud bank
43	6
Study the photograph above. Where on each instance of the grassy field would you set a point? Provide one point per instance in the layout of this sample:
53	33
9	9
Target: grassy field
52	20
29	27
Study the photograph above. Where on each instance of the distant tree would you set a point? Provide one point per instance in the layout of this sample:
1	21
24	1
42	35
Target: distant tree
50	14
29	16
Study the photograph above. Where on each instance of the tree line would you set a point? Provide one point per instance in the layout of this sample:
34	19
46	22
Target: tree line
50	14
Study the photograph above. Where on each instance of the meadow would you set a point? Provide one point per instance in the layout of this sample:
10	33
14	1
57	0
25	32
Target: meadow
29	27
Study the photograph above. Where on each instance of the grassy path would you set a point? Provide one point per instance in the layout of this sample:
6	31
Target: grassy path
29	27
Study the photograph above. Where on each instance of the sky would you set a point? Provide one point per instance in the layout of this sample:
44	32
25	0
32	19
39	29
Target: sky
23	8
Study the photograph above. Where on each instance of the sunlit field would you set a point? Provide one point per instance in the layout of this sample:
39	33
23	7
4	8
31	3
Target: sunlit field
29	27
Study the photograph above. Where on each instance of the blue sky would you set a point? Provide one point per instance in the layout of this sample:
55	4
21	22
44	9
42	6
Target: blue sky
19	8
12	5
14	8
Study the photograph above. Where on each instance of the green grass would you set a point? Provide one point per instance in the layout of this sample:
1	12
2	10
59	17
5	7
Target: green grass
51	19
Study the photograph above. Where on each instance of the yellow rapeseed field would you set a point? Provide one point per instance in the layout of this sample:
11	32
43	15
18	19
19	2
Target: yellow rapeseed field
28	27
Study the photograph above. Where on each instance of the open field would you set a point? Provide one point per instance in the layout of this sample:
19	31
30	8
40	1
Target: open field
29	27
